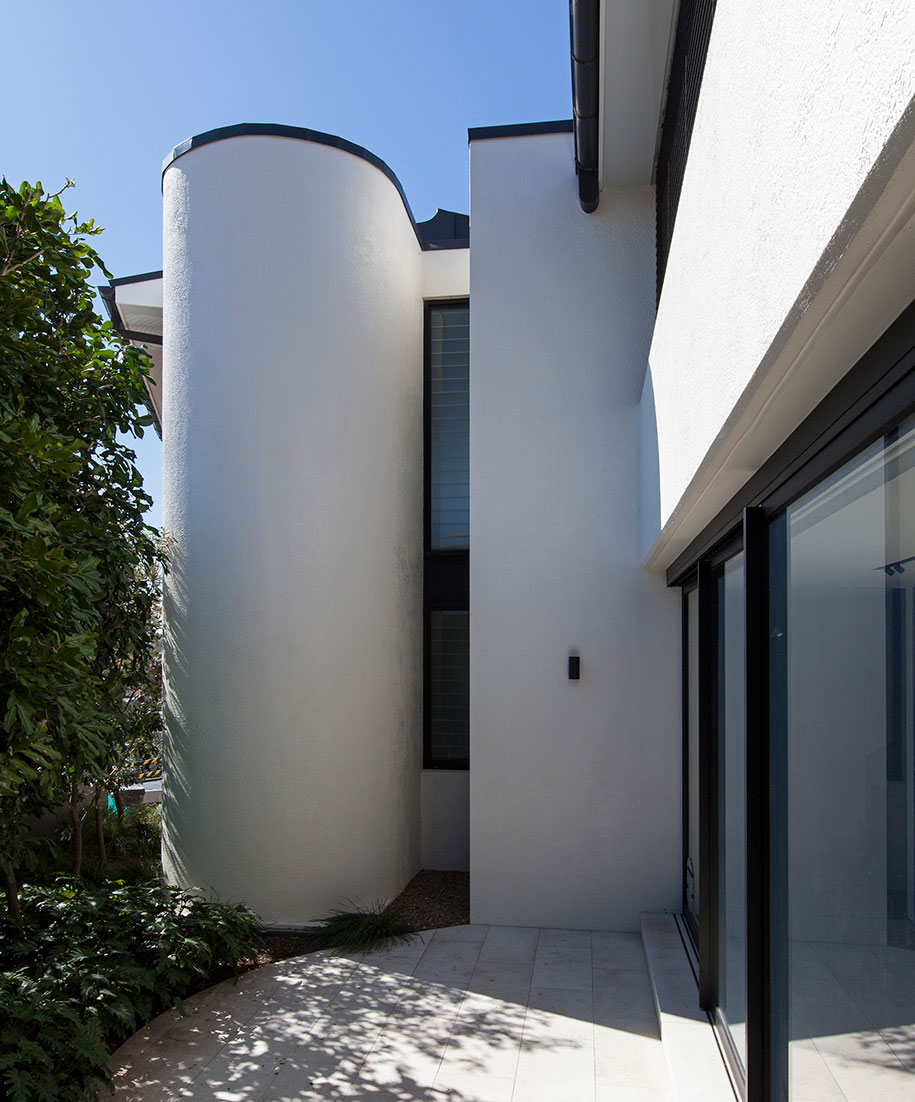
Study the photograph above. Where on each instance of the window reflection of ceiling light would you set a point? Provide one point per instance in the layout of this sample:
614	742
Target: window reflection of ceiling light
898	567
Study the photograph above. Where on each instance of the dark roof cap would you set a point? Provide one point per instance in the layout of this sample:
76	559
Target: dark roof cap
447	229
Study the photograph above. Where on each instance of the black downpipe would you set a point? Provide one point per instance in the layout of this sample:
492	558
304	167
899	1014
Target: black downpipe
584	30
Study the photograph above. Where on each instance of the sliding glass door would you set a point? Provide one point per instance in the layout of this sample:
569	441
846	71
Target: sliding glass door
714	877
845	693
799	750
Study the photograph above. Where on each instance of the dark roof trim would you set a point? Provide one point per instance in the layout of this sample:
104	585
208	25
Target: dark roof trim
584	32
446	229
687	65
144	277
519	130
301	133
140	337
111	306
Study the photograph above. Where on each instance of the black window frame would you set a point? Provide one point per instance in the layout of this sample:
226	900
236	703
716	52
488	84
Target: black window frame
446	571
689	585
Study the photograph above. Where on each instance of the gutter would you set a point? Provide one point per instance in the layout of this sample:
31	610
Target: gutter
584	32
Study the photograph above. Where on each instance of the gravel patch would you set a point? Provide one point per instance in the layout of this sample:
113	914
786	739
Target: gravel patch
435	899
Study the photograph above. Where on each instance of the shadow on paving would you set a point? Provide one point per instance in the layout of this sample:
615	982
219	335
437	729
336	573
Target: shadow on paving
447	1016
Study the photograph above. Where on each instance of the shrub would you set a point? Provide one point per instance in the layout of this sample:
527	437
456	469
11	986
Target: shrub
86	966
132	844
362	929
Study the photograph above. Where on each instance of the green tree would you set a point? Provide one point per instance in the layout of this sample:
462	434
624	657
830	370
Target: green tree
77	559
136	734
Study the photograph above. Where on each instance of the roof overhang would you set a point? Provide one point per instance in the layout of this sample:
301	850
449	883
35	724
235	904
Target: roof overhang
134	305
620	61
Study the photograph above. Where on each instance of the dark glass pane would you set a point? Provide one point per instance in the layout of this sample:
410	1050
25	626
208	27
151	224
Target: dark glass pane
449	427
449	686
691	882
732	916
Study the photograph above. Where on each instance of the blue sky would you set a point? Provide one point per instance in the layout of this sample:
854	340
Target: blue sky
101	92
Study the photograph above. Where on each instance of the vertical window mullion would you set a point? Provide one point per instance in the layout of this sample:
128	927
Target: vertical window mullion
708	787
690	874
760	1035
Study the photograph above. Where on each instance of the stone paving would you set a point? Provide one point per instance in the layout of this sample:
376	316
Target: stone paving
465	1014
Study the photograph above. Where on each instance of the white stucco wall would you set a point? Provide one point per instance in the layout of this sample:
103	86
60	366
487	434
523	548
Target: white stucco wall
293	493
575	799
793	246
445	810
446	273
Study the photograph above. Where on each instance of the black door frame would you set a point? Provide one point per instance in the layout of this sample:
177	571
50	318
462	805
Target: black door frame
867	403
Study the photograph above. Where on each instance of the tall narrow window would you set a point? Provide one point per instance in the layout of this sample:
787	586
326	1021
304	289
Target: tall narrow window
446	583
449	427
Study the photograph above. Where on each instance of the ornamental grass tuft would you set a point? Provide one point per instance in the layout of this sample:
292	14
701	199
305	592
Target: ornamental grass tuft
362	929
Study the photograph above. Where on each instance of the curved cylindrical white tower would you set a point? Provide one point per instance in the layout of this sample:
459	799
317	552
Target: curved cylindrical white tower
293	487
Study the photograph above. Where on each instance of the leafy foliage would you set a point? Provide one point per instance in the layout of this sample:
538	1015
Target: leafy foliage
77	560
362	929
132	843
86	966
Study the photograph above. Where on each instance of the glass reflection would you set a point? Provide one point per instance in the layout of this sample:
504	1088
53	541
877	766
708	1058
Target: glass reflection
848	680
732	918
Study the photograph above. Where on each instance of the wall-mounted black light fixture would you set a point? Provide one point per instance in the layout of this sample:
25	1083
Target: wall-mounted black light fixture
574	667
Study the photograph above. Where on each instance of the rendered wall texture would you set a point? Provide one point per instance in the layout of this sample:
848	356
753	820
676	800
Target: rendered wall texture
446	273
445	819
293	492
574	788
793	244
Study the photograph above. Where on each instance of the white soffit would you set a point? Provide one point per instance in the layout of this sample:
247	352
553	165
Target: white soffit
862	283
636	40
139	305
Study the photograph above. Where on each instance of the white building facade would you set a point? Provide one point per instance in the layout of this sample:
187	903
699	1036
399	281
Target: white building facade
575	553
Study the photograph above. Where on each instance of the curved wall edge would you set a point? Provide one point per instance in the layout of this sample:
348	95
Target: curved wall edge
293	485
299	133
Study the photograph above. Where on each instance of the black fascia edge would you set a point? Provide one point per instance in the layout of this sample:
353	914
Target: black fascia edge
143	277
108	298
300	133
584	35
519	130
